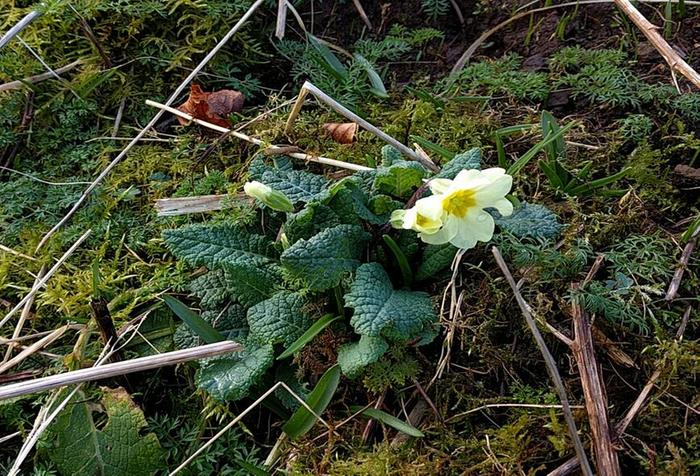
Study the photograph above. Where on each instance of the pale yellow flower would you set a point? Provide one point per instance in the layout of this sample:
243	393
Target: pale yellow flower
459	205
270	197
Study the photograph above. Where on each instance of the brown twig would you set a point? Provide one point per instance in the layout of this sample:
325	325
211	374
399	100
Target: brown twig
549	362
675	62
594	392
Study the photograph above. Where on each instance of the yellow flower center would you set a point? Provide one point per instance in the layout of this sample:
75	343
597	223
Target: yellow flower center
459	202
423	221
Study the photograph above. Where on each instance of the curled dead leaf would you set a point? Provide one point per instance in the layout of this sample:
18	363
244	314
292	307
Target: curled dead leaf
212	107
343	133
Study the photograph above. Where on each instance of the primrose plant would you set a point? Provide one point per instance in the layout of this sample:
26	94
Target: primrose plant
325	254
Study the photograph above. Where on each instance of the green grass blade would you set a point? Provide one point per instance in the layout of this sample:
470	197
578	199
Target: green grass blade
250	468
523	161
551	174
319	398
198	325
438	149
330	61
378	88
601	182
391	421
401	260
308	336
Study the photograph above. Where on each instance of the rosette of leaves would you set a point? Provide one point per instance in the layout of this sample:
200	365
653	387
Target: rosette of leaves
267	289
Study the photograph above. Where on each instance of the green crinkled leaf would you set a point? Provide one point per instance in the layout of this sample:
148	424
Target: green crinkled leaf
250	284
379	310
381	206
278	320
313	218
470	159
322	260
390	155
350	203
531	220
355	356
297	185
76	446
211	289
231	376
215	245
435	258
231	322
399	179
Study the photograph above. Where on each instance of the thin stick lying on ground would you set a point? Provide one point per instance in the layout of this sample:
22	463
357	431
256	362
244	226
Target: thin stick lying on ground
16	253
361	11
594	394
344	111
23	317
253	140
118	368
38	285
39	77
550	364
682	266
570	465
152	122
167	207
507	405
675	62
36	346
281	19
12	32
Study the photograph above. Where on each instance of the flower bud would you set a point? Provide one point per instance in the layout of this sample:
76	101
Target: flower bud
270	197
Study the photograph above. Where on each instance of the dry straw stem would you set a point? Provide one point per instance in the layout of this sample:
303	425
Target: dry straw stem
118	368
549	362
651	32
253	140
606	459
23	317
281	19
40	283
344	111
682	266
20	83
570	465
152	122
12	32
167	207
362	13
35	347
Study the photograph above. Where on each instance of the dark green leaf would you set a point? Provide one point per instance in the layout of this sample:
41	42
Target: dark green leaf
319	398
315	329
198	325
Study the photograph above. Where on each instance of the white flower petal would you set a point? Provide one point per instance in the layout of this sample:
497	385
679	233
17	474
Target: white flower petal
474	227
488	195
442	236
466	176
504	207
430	207
439	185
